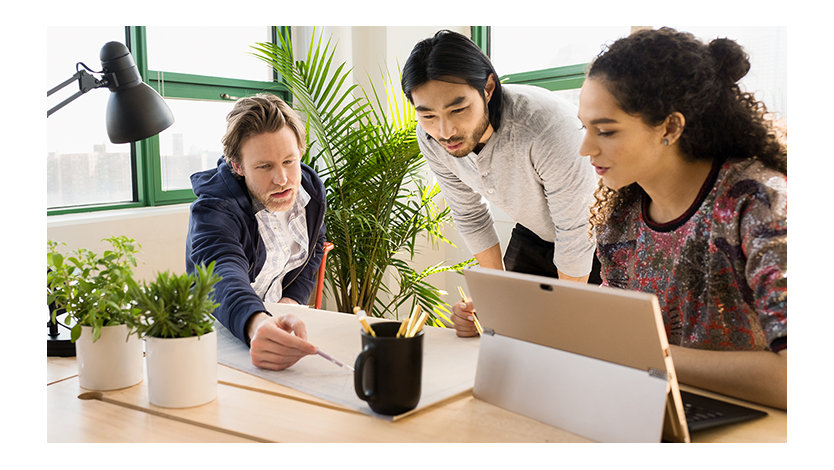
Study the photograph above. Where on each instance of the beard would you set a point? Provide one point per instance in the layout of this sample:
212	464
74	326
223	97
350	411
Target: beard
469	141
272	204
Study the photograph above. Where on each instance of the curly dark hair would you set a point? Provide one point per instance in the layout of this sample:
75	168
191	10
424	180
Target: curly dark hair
653	73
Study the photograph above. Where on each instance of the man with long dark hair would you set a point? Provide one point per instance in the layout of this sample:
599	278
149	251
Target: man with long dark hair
513	146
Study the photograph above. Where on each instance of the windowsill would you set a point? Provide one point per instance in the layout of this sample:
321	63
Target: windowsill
113	215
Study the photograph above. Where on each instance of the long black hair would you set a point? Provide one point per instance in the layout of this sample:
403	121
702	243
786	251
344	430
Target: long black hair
452	55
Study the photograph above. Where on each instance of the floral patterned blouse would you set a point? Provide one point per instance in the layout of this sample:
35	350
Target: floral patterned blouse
720	270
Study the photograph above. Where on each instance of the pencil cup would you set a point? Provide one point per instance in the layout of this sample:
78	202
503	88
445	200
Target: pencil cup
389	370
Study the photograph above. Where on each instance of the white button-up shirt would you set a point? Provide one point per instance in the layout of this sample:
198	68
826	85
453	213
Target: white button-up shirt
285	237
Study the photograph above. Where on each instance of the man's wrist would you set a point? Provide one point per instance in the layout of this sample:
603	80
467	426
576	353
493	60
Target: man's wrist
253	322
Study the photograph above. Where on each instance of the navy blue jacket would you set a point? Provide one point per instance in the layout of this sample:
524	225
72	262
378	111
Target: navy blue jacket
223	228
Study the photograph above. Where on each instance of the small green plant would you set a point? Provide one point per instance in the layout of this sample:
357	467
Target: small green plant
92	289
174	306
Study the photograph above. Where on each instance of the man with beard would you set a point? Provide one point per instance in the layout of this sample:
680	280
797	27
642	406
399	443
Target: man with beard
512	146
260	216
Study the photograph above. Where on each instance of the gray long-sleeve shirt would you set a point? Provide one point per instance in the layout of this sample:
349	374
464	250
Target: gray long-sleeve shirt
531	169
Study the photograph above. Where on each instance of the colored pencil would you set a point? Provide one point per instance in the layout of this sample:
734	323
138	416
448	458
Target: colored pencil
362	316
474	317
331	359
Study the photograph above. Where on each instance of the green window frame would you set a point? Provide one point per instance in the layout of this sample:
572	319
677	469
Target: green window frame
557	78
145	154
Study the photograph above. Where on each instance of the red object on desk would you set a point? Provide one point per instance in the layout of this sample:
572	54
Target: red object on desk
320	283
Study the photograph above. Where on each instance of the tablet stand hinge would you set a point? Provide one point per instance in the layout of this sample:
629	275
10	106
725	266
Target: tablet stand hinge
658	373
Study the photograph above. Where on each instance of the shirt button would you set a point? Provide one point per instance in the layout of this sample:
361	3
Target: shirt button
490	190
485	174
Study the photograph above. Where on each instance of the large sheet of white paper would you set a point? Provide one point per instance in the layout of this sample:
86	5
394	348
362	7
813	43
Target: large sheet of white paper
449	362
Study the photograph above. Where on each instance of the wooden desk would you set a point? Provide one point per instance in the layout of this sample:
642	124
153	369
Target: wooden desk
251	409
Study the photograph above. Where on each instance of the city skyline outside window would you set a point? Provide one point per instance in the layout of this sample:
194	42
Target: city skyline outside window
85	171
83	166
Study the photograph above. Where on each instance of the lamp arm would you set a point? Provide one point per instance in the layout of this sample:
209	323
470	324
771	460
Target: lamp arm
86	82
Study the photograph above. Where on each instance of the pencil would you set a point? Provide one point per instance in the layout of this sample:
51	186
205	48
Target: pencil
412	320
418	325
331	359
474	317
361	315
403	327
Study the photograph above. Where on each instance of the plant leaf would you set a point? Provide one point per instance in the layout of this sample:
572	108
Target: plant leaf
367	155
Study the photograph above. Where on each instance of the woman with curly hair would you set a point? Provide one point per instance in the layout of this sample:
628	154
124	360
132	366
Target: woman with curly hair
692	204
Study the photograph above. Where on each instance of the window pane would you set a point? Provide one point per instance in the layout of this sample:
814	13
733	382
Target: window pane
193	142
561	46
217	52
767	48
524	49
83	166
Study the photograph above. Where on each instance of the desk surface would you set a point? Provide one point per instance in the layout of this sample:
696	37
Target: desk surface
252	409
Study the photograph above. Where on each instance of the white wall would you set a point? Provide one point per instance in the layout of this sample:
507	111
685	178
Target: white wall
162	230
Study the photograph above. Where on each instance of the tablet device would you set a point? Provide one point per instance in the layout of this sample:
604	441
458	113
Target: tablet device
588	359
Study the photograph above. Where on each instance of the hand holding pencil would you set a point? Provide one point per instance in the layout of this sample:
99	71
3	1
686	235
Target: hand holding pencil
463	317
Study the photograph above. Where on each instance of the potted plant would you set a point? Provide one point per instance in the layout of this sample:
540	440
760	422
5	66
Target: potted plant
92	290
181	345
378	201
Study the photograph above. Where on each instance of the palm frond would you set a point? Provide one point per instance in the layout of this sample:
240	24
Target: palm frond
363	144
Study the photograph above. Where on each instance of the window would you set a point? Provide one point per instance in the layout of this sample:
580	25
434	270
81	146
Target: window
200	71
83	166
192	143
562	53
214	52
767	48
566	46
561	68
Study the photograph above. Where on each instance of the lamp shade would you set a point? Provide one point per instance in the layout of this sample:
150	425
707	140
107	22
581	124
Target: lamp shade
135	111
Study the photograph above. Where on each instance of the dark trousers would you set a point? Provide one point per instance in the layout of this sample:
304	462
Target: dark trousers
529	254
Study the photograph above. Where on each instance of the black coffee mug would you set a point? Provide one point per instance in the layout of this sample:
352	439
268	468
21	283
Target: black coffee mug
389	370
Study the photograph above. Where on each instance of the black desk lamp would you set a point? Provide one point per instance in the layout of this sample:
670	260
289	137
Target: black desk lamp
135	111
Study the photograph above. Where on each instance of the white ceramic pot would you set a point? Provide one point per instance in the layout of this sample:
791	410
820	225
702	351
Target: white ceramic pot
112	362
182	372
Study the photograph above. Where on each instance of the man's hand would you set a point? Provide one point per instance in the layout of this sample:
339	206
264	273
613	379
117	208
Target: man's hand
277	342
462	317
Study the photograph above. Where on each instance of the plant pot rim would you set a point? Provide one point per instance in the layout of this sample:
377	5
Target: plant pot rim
159	338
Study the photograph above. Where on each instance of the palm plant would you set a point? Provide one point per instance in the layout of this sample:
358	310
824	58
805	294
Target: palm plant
175	306
368	163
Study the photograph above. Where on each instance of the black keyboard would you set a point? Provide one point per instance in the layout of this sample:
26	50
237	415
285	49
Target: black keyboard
704	412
